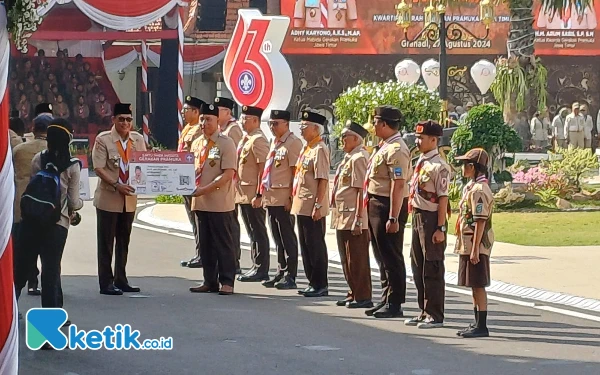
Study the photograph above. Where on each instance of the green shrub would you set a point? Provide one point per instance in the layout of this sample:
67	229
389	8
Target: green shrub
169	199
357	103
575	163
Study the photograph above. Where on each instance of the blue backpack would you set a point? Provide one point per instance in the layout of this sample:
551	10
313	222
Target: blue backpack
41	202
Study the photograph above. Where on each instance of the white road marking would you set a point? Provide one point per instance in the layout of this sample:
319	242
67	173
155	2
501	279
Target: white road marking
409	279
320	348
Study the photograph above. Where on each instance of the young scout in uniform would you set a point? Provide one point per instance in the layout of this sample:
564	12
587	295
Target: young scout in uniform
475	237
252	154
114	199
349	218
428	201
213	204
387	202
276	188
22	156
230	128
191	131
338	14
310	203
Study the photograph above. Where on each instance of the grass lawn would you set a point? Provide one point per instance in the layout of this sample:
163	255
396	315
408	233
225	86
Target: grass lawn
545	228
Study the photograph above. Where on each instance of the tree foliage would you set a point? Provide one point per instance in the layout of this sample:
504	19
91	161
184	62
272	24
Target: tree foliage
357	103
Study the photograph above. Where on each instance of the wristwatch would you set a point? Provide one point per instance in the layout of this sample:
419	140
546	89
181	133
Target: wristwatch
318	206
258	195
393	220
442	228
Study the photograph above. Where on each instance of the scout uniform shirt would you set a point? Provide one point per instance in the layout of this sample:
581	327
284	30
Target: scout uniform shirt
253	149
213	157
22	156
476	203
349	177
312	166
233	131
188	135
338	13
430	182
15	139
108	153
278	181
390	162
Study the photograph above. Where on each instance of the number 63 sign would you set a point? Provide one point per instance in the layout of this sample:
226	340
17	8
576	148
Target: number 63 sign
255	71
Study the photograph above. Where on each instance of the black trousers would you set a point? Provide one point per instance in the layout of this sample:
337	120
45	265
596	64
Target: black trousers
32	280
387	249
216	247
114	232
427	263
314	250
286	242
48	243
256	226
236	237
188	209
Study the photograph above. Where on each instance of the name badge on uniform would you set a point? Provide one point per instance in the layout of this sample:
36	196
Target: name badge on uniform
214	153
305	163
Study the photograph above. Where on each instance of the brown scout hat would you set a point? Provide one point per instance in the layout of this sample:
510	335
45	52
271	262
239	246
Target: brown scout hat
429	127
476	156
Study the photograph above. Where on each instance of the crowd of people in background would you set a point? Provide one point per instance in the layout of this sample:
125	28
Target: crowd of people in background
68	84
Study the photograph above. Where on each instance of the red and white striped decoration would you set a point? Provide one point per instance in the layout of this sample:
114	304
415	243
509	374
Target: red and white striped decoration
324	13
180	68
145	126
9	334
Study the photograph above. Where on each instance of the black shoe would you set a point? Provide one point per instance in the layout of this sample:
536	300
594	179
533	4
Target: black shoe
366	304
253	278
470	327
34	291
344	302
111	290
286	284
475	333
390	311
238	271
271	283
195	264
322	292
308	289
126	288
375	308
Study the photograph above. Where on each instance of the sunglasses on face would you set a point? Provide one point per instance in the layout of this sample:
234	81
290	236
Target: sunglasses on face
123	119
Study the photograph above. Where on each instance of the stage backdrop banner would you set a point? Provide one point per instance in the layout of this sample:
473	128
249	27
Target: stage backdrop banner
369	27
573	33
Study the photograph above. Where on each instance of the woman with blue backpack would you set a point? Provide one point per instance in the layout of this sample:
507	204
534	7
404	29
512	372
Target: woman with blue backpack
47	206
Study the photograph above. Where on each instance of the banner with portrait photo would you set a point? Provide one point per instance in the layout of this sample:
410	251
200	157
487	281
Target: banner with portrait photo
369	28
573	32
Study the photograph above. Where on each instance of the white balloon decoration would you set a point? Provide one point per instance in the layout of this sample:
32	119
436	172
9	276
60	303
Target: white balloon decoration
483	73
431	74
408	71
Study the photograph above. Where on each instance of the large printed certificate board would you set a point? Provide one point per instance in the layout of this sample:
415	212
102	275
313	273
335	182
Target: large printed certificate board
157	173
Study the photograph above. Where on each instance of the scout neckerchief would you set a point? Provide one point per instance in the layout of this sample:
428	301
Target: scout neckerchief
186	130
383	147
463	199
124	148
305	150
414	183
203	156
266	180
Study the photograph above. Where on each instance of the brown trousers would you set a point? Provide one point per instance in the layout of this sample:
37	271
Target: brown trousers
427	263
354	255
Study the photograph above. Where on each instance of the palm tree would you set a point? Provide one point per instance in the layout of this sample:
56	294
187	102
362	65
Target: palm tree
521	78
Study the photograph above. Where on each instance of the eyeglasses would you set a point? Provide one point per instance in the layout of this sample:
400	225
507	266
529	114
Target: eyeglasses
123	119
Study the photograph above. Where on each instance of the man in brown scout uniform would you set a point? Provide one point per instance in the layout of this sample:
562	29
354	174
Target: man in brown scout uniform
386	188
213	204
191	131
276	187
252	153
428	201
475	237
328	14
310	203
230	128
349	217
22	156
114	199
